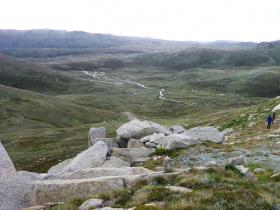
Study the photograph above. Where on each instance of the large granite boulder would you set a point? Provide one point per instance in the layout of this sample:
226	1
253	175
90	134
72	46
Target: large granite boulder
137	129
205	134
59	190
131	154
90	158
59	167
95	133
111	142
152	138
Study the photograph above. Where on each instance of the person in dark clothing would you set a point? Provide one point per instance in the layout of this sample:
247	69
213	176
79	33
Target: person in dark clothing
269	121
273	117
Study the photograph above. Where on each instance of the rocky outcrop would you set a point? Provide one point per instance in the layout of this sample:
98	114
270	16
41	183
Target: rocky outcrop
131	154
7	167
177	129
95	133
111	142
137	129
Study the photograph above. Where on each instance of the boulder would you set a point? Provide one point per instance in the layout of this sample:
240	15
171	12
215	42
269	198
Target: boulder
137	129
244	170
175	141
114	162
131	154
134	143
60	190
91	204
7	167
177	129
111	142
59	167
259	170
95	133
104	172
206	134
156	137
90	158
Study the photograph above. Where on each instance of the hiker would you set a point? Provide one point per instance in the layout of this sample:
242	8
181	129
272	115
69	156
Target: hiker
273	117
269	121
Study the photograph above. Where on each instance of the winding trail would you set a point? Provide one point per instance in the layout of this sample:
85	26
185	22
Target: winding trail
98	76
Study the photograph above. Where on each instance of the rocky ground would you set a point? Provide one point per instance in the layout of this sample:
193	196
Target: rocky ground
149	166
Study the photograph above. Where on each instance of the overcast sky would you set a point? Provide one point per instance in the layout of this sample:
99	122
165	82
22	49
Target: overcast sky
202	20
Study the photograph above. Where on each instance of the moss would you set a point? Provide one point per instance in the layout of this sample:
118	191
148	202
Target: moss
169	153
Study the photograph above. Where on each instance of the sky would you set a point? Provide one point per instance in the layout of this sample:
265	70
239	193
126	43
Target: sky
197	20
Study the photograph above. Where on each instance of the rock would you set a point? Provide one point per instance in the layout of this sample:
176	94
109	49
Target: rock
131	154
175	141
276	108
114	162
109	208
59	167
155	137
111	142
150	145
206	134
137	129
30	176
105	172
90	158
177	189
140	161
7	167
95	133
259	170
60	190
240	160
91	204
177	129
244	170
134	143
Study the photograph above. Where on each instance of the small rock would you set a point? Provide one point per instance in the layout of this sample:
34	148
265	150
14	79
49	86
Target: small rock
276	176
244	170
150	145
178	189
91	203
259	170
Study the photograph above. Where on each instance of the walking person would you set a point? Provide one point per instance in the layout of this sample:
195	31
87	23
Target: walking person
269	121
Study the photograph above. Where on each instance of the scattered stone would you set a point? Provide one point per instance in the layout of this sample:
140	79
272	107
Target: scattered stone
95	133
259	170
227	131
114	162
177	129
178	189
90	158
138	129
134	143
131	154
276	176
91	204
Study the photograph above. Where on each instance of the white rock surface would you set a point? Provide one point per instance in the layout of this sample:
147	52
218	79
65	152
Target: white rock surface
134	143
91	203
259	170
114	162
90	158
7	167
131	154
59	167
178	189
138	129
276	108
95	133
239	160
175	141
205	134
177	129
